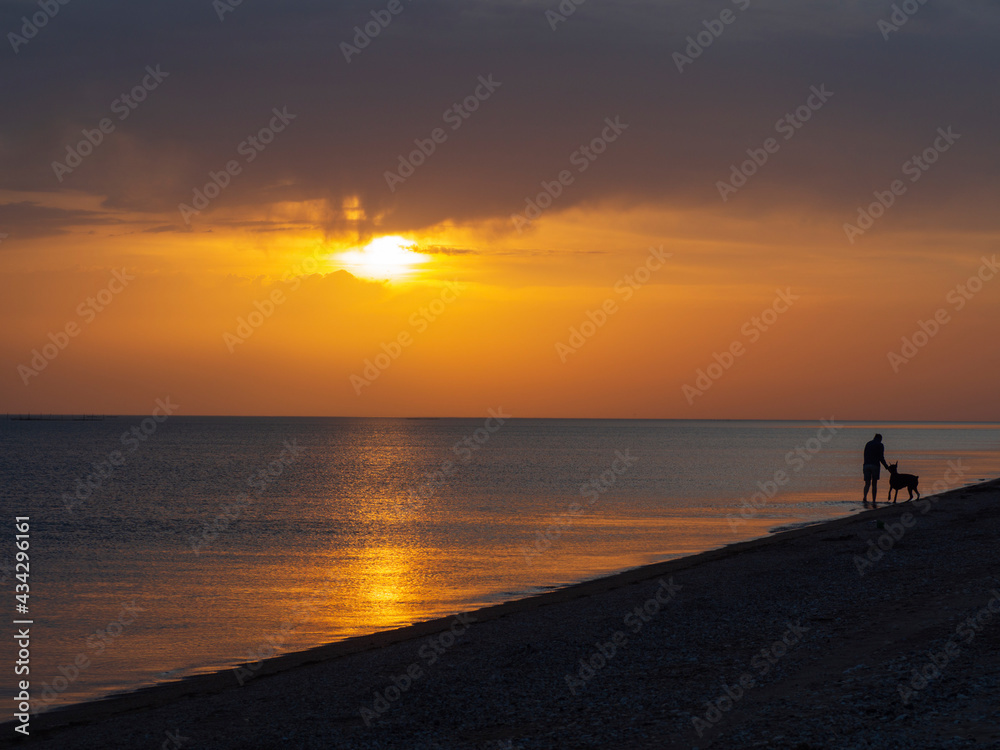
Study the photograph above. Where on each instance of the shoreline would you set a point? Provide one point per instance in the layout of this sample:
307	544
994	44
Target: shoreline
177	685
222	679
223	684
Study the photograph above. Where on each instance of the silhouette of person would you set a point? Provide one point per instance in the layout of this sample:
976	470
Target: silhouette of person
874	455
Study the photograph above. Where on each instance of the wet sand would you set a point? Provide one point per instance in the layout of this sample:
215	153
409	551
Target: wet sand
811	638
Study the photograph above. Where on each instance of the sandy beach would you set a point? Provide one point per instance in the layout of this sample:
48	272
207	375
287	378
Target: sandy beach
880	630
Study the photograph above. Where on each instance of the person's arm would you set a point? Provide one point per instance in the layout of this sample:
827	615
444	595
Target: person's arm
882	459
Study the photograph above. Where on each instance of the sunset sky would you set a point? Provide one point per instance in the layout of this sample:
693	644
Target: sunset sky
260	209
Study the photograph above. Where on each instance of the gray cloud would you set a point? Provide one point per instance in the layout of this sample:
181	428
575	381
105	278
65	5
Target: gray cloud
25	219
353	120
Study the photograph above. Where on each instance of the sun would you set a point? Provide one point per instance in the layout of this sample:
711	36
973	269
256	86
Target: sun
384	258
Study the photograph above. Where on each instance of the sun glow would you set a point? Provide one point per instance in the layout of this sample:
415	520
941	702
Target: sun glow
389	257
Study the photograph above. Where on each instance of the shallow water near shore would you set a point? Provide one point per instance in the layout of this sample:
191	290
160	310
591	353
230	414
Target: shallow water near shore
215	541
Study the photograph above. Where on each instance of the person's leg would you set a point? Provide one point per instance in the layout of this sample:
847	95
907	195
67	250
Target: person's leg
868	483
875	489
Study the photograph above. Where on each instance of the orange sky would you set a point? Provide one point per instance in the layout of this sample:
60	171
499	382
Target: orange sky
460	305
493	325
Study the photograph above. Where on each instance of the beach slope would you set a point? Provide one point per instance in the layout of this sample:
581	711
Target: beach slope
880	630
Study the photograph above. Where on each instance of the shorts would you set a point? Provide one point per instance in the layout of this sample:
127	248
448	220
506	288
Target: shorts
871	471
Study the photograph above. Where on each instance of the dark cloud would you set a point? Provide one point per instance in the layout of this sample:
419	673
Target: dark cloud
29	219
353	120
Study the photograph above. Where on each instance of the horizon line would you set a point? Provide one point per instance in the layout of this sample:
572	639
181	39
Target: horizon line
94	416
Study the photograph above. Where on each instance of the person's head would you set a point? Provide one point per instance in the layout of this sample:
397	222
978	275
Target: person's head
878	437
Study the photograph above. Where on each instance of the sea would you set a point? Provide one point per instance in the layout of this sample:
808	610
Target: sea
162	549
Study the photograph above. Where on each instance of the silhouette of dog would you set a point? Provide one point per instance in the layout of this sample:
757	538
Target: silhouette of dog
898	481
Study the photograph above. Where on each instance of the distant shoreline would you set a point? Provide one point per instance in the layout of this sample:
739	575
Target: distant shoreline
39	416
58	417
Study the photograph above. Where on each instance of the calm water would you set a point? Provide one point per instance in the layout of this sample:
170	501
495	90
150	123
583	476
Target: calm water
336	527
